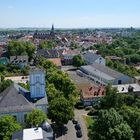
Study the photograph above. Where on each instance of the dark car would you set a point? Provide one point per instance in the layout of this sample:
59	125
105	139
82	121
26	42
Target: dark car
77	127
79	133
74	121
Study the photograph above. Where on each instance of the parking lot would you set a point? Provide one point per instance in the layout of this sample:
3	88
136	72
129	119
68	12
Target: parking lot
71	132
80	82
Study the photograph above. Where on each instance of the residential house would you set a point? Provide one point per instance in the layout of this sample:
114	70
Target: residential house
103	75
53	53
17	101
56	62
20	61
68	56
91	57
90	95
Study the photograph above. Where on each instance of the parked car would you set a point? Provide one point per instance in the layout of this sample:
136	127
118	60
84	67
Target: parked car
74	121
79	133
77	127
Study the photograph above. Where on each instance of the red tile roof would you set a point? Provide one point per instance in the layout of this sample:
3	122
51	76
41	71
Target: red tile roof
92	92
56	61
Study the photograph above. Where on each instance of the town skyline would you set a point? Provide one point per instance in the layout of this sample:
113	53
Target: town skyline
71	14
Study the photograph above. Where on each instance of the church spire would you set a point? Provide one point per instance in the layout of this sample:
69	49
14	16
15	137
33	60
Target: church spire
52	33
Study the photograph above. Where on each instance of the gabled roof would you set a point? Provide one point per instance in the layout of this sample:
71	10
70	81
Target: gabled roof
55	61
107	70
12	101
102	71
92	92
92	56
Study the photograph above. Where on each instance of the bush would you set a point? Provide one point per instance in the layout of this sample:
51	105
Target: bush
93	112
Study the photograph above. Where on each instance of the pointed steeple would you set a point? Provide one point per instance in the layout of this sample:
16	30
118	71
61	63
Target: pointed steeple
52	28
52	33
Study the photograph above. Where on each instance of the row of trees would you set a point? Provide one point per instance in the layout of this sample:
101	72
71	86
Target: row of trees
130	71
61	93
118	117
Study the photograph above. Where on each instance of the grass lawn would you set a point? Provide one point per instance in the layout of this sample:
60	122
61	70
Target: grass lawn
88	120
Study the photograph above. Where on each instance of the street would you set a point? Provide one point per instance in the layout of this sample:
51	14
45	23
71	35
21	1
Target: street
71	133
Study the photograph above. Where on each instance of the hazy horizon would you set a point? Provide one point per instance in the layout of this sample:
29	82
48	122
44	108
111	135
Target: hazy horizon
70	14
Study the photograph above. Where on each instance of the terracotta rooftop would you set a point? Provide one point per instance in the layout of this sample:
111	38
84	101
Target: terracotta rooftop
56	61
71	52
92	92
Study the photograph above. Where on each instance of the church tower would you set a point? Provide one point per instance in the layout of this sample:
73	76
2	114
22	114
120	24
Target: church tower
52	32
37	84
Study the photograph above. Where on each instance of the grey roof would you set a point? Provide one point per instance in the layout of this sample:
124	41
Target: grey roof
12	101
107	70
102	71
53	53
42	101
21	58
90	70
92	56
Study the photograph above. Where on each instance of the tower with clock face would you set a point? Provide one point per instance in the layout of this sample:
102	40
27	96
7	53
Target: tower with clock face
37	84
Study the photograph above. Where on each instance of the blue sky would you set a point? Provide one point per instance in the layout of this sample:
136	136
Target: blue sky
69	13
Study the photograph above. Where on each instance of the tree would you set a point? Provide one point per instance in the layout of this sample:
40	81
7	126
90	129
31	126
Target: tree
77	61
110	126
60	111
8	125
52	92
20	48
35	118
110	100
47	44
132	116
4	84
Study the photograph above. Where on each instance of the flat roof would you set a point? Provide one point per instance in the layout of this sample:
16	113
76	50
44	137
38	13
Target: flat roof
33	134
124	88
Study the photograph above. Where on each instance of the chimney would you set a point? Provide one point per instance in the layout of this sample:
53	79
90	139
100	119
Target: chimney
90	88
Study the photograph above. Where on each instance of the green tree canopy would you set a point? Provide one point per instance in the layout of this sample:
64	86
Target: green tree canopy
60	111
5	84
20	48
8	126
35	118
110	100
110	126
77	61
132	116
50	44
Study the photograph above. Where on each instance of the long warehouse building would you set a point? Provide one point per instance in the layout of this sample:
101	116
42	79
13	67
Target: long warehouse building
104	75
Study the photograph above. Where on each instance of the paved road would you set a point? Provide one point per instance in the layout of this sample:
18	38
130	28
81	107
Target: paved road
71	133
79	116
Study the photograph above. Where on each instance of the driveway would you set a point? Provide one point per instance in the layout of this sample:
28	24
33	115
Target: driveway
71	133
